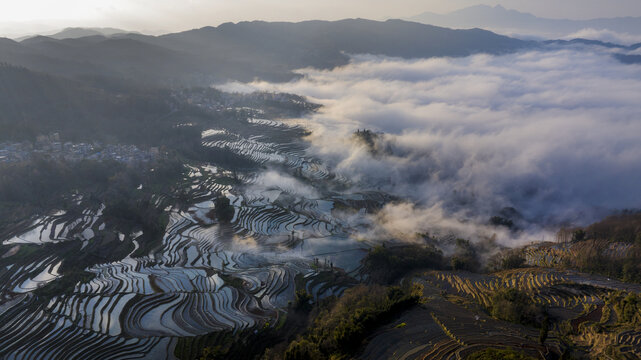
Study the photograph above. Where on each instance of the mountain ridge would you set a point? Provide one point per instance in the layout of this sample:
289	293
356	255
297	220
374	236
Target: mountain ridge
246	50
504	20
79	32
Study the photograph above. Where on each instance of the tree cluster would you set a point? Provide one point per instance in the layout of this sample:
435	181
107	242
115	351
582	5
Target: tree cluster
516	306
341	327
384	265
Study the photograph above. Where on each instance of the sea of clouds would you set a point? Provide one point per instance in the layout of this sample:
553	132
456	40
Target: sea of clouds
554	134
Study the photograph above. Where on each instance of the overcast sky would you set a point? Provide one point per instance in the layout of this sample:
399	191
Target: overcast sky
28	16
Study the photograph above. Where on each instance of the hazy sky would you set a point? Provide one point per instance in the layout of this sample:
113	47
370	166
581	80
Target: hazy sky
28	16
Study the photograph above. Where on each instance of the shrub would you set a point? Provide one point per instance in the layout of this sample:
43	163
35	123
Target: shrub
624	227
498	354
303	301
627	307
302	350
513	260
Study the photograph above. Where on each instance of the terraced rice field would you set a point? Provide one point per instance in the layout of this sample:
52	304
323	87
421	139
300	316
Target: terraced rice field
453	322
549	287
442	329
263	150
61	226
553	254
204	277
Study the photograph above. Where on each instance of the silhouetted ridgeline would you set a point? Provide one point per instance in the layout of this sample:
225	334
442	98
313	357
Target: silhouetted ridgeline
245	50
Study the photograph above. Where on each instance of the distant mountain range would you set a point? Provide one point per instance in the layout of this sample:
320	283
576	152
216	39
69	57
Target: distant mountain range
502	20
242	51
249	50
78	32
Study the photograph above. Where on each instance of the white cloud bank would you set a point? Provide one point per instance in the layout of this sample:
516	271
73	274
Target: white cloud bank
554	134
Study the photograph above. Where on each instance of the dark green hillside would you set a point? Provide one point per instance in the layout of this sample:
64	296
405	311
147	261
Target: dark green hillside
34	103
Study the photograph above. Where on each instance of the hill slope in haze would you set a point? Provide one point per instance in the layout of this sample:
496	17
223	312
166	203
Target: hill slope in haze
503	20
33	103
78	32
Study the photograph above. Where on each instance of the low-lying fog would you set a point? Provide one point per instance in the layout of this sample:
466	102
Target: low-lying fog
552	133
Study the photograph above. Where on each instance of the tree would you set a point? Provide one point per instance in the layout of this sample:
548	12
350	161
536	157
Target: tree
578	235
224	210
501	221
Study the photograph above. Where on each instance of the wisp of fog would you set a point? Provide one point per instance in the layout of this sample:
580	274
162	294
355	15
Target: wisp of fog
553	134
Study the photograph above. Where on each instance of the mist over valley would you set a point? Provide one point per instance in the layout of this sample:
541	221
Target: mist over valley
349	189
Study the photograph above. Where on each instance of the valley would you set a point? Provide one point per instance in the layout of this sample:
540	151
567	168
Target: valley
238	243
350	189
